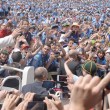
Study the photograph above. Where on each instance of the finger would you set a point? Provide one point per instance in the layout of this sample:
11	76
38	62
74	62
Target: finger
7	96
103	83
14	97
31	96
94	81
86	80
17	99
26	95
10	96
54	97
20	106
25	105
49	106
79	81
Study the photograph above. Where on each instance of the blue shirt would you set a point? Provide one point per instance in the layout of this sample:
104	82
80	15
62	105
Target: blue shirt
39	60
101	72
101	61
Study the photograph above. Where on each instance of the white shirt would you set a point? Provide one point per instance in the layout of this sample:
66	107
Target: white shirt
6	41
66	49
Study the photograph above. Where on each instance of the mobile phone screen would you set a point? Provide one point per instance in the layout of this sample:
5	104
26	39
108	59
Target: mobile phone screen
62	78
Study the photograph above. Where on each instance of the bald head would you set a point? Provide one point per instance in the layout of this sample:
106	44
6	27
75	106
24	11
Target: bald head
73	53
41	73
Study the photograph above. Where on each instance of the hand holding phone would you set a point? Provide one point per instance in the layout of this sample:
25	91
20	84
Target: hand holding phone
62	78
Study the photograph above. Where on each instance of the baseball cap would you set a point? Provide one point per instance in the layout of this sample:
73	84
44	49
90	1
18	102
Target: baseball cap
54	26
90	67
5	52
75	24
65	24
24	46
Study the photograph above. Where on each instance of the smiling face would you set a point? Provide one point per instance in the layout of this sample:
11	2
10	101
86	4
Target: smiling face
25	25
75	28
100	55
46	50
70	44
3	57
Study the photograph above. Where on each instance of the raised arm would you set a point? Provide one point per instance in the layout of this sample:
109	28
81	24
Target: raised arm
9	40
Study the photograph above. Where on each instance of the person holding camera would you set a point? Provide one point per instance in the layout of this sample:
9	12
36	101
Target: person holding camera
73	33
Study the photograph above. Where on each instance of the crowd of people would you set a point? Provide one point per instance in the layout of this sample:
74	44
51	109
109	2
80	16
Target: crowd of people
68	37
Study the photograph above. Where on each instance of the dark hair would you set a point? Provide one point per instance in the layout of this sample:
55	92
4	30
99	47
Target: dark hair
101	51
47	45
26	20
16	56
71	40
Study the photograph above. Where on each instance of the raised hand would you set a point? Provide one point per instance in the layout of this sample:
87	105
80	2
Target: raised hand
16	33
10	102
87	92
3	94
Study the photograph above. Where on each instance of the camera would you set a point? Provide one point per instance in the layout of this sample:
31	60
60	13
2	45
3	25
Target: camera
57	54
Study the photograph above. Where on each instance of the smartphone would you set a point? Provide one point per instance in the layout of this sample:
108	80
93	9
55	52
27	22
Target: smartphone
48	84
39	105
41	97
62	78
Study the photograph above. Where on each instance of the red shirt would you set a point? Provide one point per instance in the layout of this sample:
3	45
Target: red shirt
4	33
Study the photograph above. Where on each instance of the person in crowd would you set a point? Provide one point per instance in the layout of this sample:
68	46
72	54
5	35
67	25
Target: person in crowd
57	36
40	75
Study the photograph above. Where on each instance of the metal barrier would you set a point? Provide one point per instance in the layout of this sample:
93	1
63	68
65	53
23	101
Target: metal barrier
27	74
11	77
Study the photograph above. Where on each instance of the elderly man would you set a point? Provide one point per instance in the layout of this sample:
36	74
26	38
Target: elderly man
40	75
